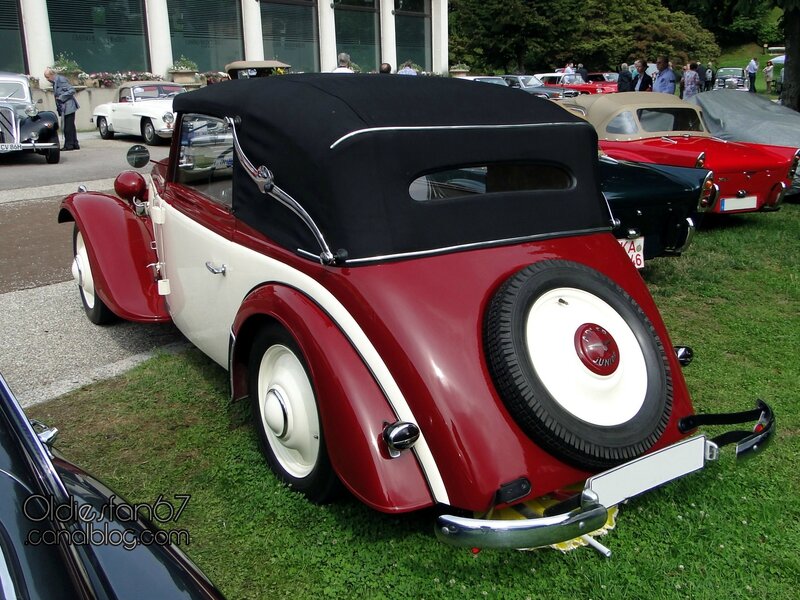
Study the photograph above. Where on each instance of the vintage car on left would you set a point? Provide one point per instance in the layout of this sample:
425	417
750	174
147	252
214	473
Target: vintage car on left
23	127
142	108
573	81
422	302
663	129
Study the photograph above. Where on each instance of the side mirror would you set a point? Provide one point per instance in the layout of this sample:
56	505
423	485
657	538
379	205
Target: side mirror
138	156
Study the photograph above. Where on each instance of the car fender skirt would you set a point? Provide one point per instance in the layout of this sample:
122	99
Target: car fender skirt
352	407
120	244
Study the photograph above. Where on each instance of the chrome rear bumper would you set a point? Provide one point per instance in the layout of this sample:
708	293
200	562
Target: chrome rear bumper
610	488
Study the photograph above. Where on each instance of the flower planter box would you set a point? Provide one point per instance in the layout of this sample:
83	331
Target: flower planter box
183	76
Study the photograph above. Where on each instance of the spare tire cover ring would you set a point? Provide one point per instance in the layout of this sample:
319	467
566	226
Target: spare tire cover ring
578	364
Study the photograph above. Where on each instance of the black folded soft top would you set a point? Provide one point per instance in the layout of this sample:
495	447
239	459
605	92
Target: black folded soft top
347	148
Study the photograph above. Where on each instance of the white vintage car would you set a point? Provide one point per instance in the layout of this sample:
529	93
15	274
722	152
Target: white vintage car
142	108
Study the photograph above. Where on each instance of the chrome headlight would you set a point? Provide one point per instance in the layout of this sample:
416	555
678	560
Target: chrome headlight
31	110
168	118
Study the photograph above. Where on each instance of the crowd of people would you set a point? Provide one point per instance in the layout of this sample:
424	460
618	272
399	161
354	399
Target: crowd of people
693	79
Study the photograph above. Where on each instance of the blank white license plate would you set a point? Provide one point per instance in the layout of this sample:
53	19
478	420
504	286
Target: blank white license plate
645	473
748	202
10	147
635	250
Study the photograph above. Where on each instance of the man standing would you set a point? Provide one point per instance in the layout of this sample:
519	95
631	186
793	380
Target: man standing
664	81
642	82
66	105
625	80
752	69
710	72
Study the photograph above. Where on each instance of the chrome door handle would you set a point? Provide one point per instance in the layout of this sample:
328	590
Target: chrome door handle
216	270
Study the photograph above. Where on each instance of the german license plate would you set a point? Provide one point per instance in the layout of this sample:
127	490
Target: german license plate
10	147
635	250
648	472
746	203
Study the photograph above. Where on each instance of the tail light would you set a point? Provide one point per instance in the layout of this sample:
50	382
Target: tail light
701	160
708	193
795	162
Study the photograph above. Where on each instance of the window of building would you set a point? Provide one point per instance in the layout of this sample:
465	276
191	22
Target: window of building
102	35
412	24
206	157
358	32
208	32
290	33
11	38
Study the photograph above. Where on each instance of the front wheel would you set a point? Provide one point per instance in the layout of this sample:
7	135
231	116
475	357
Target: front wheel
149	133
52	156
102	126
96	310
285	414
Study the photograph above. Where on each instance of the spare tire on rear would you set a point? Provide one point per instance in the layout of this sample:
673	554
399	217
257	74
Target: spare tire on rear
578	364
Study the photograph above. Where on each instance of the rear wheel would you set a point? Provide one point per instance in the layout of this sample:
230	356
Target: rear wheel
102	126
96	310
285	414
52	156
578	364
149	133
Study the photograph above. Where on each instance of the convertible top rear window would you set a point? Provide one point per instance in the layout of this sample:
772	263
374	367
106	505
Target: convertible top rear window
506	177
670	119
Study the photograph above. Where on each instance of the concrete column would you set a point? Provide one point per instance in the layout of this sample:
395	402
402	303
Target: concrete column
439	55
38	41
253	33
327	36
159	41
388	38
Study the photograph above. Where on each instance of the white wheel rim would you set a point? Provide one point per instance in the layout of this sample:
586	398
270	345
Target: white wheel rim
288	411
603	400
82	272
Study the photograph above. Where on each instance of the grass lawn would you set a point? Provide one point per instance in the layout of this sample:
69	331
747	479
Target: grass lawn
731	531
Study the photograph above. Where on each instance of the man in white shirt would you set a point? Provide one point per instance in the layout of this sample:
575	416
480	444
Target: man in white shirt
752	69
344	63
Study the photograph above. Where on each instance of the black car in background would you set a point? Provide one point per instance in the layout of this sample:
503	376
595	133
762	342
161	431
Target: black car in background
533	85
23	127
63	534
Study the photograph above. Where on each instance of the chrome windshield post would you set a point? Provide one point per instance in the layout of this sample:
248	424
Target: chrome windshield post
264	179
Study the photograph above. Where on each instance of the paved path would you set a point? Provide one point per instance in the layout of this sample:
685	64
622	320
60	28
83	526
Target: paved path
47	345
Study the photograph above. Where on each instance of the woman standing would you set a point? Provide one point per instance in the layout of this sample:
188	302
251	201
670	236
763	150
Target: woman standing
768	75
690	82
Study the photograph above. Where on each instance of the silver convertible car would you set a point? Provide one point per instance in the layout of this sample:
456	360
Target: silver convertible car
142	108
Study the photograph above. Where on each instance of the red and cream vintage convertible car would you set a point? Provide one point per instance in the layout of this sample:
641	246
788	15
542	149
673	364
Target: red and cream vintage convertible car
660	128
401	331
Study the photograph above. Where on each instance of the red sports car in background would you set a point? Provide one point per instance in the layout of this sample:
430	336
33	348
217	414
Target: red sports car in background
421	299
573	81
659	128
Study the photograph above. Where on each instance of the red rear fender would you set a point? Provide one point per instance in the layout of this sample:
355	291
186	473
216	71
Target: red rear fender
120	246
352	406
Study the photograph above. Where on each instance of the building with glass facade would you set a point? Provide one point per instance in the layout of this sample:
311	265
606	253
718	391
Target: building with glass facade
148	35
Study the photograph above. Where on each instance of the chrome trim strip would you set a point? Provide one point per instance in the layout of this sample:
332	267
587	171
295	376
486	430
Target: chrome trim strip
265	182
471	246
443	128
